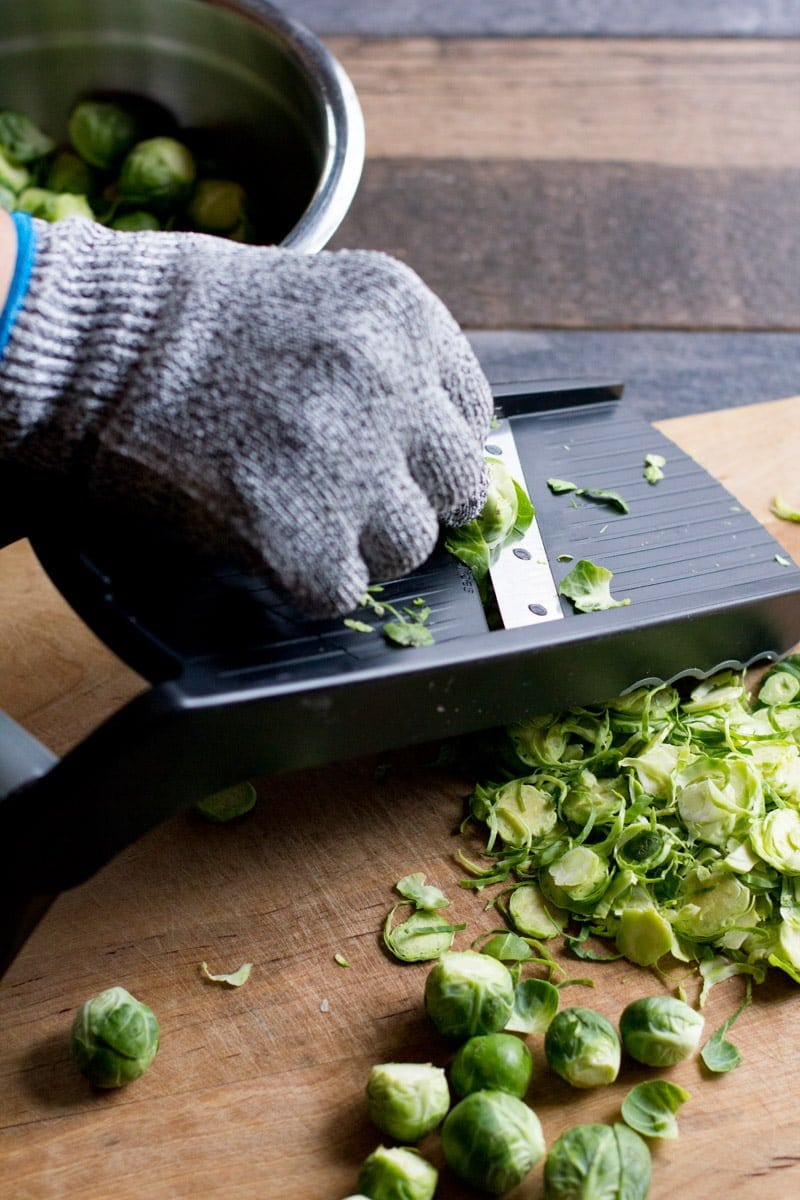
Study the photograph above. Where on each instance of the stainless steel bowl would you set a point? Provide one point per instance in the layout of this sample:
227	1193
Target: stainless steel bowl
263	88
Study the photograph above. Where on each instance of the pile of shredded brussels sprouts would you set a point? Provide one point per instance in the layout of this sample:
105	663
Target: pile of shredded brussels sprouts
670	824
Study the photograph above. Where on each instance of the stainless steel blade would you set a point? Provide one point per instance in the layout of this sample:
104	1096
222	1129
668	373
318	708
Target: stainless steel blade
523	583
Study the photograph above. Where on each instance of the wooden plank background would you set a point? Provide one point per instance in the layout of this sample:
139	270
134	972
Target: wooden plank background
576	183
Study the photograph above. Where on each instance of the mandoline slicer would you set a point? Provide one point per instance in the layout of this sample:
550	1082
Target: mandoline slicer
242	685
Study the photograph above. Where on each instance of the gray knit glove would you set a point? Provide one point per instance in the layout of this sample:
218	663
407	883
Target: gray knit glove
316	414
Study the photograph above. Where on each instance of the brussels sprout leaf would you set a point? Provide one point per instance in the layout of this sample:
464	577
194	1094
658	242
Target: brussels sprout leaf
233	979
421	895
535	1004
588	586
602	495
650	1108
718	1054
421	937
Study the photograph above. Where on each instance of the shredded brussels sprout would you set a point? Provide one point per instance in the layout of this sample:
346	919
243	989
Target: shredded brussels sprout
664	821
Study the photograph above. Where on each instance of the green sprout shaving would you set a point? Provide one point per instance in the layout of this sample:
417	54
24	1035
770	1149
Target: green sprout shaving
602	495
407	627
662	822
588	586
233	979
653	467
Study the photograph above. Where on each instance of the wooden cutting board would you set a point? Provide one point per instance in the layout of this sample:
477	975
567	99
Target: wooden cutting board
257	1093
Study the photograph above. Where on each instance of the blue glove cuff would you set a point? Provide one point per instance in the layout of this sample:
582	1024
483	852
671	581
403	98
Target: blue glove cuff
26	253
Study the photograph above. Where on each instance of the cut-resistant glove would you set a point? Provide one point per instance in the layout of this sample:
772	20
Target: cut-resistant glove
316	415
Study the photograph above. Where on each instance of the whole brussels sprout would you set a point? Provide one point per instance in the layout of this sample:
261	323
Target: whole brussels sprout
590	1162
495	1061
22	141
660	1031
102	132
467	993
407	1100
217	205
397	1173
13	176
491	1140
114	1038
582	1046
68	173
53	206
136	221
157	173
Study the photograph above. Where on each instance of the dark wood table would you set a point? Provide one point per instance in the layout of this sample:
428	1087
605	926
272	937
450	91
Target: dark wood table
594	193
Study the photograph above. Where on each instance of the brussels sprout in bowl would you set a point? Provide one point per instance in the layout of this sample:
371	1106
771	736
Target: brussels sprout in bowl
261	91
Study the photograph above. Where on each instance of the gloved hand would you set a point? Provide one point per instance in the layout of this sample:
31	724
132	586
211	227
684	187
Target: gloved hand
317	414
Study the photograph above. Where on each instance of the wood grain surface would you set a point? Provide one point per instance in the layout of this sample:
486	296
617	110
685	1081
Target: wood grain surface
603	183
554	18
259	1092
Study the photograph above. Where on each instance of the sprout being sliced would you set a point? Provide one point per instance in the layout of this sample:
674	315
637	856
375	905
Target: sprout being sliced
598	1162
776	839
492	1061
582	1046
397	1173
531	915
158	173
467	993
407	1100
578	878
660	1031
114	1038
644	936
650	1108
718	798
227	805
491	1140
536	1002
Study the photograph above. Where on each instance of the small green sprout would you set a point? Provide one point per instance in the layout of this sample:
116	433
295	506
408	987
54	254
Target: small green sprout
660	1031
494	1061
157	173
397	1173
114	1038
492	1140
407	1100
467	993
654	467
582	1046
595	1162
